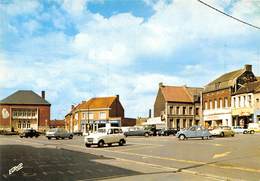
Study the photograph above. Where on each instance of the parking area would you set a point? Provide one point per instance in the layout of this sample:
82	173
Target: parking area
215	159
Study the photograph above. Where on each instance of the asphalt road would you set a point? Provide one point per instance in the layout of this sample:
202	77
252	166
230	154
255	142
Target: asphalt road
153	158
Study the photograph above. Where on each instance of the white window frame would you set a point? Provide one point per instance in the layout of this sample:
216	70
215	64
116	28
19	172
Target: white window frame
102	115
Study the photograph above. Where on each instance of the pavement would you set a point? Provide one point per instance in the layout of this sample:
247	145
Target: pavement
152	158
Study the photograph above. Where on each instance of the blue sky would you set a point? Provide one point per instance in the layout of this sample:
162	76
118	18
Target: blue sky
78	49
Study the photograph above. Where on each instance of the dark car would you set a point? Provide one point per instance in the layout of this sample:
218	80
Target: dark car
138	132
29	133
167	132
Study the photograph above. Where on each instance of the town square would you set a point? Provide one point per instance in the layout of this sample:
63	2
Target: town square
130	90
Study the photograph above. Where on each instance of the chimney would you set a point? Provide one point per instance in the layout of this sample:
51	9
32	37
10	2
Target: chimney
160	84
117	96
248	67
43	94
150	113
72	107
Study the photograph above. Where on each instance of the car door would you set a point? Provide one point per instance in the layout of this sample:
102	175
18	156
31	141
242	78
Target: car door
109	137
191	132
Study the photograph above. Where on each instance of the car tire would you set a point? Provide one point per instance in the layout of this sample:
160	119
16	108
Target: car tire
233	135
49	138
57	138
62	138
245	132
101	143
166	134
88	145
252	132
121	142
36	136
222	134
146	134
182	137
109	144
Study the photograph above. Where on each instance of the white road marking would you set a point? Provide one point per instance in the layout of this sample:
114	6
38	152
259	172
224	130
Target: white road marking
221	155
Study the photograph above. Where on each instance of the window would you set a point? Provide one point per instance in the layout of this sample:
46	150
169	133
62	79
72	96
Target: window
220	103
257	100
206	105
234	102
226	102
90	116
244	102
250	100
216	104
102	115
197	111
190	111
184	110
177	110
116	131
29	113
171	112
239	100
19	124
83	115
210	104
28	124
24	124
184	123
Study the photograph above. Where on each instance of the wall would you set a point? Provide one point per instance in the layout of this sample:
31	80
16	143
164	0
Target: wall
159	104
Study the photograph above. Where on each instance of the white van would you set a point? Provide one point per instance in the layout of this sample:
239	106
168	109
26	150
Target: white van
253	127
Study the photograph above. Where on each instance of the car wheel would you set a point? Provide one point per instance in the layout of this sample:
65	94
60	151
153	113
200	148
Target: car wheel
222	134
21	137
26	136
146	134
166	134
101	143
36	136
87	145
70	137
49	138
57	138
62	138
252	132
182	137
109	144
233	135
245	132
121	142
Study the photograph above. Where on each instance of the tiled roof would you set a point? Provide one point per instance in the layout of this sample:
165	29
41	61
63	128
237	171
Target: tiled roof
249	87
224	81
179	93
24	97
97	102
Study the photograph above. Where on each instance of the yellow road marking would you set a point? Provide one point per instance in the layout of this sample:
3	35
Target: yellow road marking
221	155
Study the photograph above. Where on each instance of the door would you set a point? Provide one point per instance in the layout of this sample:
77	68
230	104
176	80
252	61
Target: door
192	132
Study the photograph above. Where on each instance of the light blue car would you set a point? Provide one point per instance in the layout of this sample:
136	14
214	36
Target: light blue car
194	132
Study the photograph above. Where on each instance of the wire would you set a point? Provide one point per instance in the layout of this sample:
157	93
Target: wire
241	21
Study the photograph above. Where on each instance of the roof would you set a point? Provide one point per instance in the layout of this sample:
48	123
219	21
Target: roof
95	103
57	122
224	81
249	87
180	93
24	97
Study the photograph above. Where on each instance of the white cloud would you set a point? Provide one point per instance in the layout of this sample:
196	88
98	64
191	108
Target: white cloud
73	7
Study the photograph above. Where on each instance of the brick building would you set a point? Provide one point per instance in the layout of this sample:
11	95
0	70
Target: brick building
178	106
245	104
217	96
24	109
94	113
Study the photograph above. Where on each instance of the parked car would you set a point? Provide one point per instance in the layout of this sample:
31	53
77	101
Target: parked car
222	131
58	133
167	132
239	129
29	133
105	136
253	127
193	132
78	133
135	131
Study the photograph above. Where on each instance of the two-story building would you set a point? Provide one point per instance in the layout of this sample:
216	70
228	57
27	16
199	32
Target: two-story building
24	109
245	104
95	113
178	106
217	96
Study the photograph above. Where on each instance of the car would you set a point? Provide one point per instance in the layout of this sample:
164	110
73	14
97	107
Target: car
78	133
193	132
135	131
105	136
29	133
58	133
239	129
253	127
167	132
222	131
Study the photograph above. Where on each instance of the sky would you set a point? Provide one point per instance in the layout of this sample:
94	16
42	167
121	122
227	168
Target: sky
78	49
